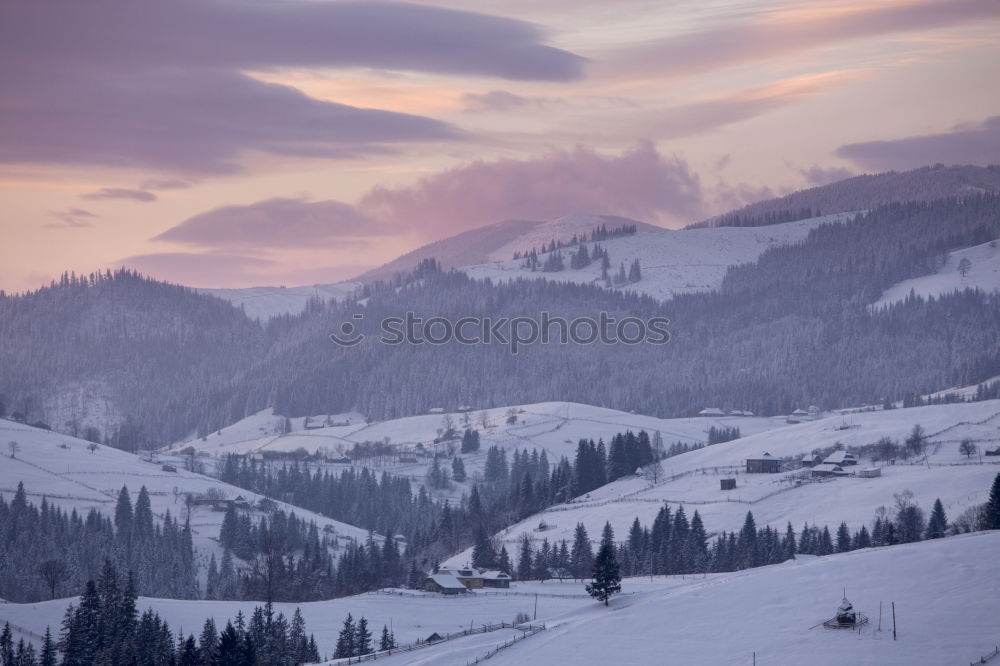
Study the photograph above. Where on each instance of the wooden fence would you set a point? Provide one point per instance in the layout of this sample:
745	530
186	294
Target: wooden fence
533	629
528	633
986	657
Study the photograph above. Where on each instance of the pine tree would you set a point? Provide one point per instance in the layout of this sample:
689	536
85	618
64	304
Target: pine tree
992	508
49	654
503	562
938	522
525	560
345	640
458	469
6	646
843	538
388	641
362	639
582	555
208	642
607	577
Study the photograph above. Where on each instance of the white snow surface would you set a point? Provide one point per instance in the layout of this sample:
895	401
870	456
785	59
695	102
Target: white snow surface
76	478
945	592
672	261
692	479
266	302
984	273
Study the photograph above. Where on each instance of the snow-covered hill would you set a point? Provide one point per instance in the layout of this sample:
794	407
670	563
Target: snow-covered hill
945	593
553	427
266	302
693	478
981	272
672	261
65	470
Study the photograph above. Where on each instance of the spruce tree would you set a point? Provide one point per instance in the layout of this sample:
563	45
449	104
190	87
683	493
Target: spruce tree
607	577
345	640
582	555
388	641
362	639
49	655
938	522
992	509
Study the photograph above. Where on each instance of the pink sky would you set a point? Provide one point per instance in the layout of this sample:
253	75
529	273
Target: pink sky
226	144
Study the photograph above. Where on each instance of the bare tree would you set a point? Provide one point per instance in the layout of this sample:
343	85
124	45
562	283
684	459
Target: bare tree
53	572
14	448
964	266
967	448
484	419
93	446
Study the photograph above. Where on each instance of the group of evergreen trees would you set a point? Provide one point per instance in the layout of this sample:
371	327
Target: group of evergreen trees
105	627
46	551
355	640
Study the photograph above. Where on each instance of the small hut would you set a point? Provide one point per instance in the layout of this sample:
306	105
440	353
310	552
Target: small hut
728	484
846	617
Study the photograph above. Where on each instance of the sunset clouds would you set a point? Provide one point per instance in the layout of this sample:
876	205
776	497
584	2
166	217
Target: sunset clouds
303	139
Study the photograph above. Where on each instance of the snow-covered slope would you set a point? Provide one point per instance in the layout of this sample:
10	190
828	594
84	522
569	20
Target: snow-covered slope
553	427
672	261
983	272
499	241
63	469
693	478
267	302
945	593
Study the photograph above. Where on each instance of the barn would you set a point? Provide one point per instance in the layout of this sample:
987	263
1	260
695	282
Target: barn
495	579
828	469
444	584
841	458
766	464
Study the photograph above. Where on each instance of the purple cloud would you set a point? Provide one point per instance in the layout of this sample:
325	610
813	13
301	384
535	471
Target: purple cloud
161	85
274	223
752	41
639	183
164	184
119	193
74	218
501	100
817	175
969	143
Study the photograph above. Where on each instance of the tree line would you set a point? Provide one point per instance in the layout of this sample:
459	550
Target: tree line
47	551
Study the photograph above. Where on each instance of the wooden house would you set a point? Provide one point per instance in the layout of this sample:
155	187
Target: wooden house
827	469
870	473
496	579
728	484
444	584
766	464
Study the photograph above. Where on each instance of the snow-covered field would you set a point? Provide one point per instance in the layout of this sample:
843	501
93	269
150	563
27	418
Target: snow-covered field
673	261
693	478
267	302
63	469
983	272
946	594
553	427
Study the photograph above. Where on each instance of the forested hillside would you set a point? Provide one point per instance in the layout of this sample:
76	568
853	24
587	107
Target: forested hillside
864	193
793	329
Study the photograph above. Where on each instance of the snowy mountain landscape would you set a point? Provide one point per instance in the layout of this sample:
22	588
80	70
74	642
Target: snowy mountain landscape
531	333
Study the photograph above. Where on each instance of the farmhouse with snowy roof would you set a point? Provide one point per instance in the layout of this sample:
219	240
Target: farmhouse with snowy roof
766	464
444	584
841	458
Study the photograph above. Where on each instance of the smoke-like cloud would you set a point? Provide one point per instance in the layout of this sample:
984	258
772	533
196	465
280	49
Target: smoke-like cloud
274	223
120	193
74	218
639	183
817	175
162	86
969	143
